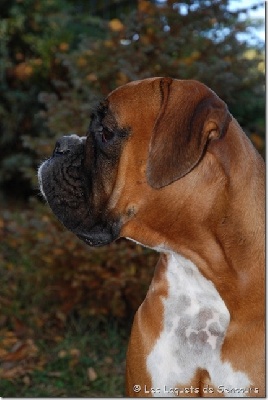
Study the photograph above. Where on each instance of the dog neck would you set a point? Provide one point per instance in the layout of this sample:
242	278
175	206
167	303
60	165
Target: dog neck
218	223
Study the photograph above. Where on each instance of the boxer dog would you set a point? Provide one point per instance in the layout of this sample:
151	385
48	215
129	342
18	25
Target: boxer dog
165	164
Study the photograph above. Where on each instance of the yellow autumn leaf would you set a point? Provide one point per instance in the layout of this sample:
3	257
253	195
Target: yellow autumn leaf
62	353
75	352
64	46
257	140
23	71
144	6
81	62
40	235
58	252
116	25
37	61
91	373
92	77
108	43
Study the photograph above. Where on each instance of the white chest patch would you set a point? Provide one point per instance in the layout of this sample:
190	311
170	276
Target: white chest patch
195	322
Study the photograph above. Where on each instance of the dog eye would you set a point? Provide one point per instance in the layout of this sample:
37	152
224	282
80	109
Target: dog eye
106	135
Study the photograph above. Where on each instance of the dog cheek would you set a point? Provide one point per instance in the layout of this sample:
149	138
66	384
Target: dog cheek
64	190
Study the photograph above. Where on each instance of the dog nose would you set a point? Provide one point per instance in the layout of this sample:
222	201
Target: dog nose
62	146
66	144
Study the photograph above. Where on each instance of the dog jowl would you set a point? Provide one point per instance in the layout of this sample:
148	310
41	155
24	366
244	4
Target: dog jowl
76	180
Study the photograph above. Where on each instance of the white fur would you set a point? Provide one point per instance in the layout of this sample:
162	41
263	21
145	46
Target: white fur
195	322
160	248
40	181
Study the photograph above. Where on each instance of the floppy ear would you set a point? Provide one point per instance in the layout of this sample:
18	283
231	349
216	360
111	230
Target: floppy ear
190	115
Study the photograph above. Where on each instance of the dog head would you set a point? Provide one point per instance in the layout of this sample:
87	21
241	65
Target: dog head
143	139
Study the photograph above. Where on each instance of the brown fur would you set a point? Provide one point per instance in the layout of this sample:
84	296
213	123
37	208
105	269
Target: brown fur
179	175
213	215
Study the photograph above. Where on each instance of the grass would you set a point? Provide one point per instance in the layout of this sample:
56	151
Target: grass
59	303
78	356
89	361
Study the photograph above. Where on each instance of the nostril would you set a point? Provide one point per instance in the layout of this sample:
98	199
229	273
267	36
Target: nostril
61	147
57	148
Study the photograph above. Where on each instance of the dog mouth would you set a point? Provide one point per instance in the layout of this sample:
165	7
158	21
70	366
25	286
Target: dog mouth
61	181
68	191
101	234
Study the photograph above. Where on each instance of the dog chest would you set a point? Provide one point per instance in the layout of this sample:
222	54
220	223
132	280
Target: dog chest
195	322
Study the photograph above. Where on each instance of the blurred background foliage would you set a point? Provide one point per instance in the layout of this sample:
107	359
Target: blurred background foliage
58	57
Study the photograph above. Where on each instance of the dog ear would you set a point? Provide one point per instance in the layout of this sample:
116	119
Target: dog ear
190	116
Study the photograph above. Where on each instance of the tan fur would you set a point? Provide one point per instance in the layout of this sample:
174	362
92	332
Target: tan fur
213	215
